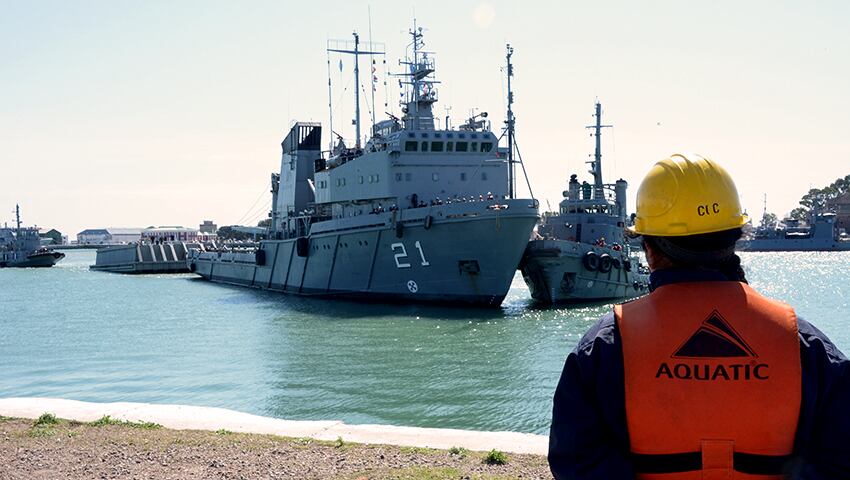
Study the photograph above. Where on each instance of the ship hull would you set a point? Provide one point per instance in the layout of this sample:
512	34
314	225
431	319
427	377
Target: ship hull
555	273
468	259
34	260
803	245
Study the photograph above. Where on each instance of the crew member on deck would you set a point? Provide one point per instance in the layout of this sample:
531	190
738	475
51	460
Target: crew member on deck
704	378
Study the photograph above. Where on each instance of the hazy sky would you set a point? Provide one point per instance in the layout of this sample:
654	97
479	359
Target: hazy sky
120	113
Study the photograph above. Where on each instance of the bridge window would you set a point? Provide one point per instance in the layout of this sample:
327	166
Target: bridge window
410	146
483	175
486	146
424	146
461	146
450	146
360	179
462	176
398	177
474	146
436	146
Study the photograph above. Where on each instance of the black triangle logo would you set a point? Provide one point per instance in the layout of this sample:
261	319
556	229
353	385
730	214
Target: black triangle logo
714	338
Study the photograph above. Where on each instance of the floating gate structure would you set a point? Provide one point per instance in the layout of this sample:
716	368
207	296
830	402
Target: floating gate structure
168	257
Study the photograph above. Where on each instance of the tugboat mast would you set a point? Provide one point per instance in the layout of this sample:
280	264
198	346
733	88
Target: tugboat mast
510	123
596	164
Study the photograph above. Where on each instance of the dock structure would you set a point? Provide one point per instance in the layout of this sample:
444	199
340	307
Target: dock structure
166	257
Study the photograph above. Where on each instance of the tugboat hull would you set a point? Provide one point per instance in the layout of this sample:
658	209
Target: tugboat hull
556	272
34	260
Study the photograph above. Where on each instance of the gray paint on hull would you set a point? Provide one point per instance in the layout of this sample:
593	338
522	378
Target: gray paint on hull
554	272
375	264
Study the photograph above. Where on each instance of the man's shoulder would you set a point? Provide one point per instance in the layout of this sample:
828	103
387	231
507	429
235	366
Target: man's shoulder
604	330
812	339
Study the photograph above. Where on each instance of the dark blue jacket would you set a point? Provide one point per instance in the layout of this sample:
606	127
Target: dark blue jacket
589	440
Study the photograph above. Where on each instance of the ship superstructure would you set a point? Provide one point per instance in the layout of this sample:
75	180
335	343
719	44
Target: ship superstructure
820	233
417	213
581	253
21	247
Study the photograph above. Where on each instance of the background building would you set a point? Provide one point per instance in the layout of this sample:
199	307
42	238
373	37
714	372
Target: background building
103	236
208	227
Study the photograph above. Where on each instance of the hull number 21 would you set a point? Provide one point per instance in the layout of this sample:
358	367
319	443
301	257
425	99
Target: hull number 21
401	255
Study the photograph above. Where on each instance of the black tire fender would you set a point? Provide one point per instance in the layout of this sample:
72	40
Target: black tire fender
591	261
605	262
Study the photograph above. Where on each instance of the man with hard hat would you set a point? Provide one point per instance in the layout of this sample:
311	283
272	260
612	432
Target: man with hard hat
703	378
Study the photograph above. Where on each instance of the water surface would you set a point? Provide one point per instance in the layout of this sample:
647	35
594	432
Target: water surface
72	333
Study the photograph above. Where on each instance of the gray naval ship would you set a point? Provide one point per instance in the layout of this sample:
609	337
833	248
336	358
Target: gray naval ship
582	254
416	214
21	247
819	234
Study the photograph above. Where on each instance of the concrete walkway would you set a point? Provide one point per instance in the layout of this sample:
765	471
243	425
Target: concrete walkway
186	417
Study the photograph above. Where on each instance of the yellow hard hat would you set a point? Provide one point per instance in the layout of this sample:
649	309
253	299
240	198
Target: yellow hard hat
687	196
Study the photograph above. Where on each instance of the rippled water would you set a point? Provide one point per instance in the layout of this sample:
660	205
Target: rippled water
72	333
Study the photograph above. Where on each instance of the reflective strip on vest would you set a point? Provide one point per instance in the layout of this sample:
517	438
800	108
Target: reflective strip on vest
712	381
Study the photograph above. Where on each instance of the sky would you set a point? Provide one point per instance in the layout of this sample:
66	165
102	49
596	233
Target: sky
130	114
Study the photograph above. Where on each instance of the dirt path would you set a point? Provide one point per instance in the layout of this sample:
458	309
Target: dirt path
108	449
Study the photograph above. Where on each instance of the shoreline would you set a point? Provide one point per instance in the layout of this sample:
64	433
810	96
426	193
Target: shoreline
212	419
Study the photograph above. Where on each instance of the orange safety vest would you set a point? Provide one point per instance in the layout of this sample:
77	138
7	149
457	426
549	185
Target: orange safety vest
712	380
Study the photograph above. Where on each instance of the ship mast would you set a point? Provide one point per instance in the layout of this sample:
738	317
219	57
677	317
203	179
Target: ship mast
510	124
596	163
18	218
356	52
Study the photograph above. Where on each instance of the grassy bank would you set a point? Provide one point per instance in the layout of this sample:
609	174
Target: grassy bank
109	448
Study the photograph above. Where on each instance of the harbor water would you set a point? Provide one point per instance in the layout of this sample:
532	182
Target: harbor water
73	333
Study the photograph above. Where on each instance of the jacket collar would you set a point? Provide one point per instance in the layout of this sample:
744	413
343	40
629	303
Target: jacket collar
659	278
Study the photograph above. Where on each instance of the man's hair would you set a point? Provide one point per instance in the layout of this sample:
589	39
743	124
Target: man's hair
709	251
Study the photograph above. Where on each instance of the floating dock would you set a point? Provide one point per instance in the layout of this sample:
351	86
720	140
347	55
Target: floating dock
168	257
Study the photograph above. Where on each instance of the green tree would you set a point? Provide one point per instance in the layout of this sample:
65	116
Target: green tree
228	233
768	218
819	196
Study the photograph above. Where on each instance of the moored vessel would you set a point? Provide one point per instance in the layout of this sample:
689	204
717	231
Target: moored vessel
819	234
581	253
417	213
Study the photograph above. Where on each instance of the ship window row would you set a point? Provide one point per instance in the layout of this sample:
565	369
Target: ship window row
414	146
448	135
407	177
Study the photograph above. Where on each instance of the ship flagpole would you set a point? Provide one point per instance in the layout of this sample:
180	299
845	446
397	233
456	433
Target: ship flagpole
372	71
510	125
330	101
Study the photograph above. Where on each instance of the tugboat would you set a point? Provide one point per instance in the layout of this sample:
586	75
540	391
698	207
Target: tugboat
21	247
417	214
581	253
